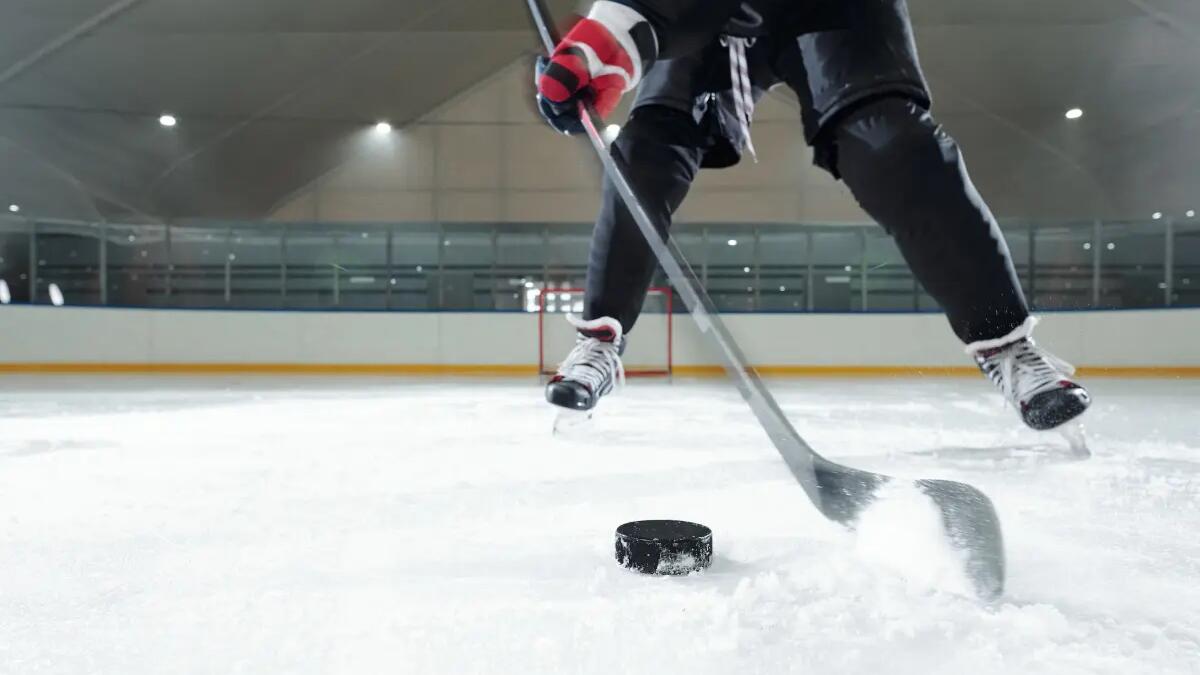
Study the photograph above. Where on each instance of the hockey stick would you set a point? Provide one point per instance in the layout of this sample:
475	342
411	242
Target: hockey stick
839	492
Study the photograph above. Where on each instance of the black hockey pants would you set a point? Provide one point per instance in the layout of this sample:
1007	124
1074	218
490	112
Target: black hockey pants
903	169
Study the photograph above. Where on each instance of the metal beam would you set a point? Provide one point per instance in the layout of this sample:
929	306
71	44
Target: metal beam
58	43
33	262
1169	264
104	264
1097	235
862	267
809	285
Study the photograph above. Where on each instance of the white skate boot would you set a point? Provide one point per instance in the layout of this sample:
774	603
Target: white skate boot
592	369
1037	383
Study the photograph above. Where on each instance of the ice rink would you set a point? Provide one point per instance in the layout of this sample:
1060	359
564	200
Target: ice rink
271	525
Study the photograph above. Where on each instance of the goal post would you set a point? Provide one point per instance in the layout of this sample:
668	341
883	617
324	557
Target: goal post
649	347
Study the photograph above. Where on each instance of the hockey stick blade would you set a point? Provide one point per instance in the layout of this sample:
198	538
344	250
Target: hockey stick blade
841	493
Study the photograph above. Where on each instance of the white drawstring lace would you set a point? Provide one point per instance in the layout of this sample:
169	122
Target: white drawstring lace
1015	364
1021	370
593	360
743	91
1026	369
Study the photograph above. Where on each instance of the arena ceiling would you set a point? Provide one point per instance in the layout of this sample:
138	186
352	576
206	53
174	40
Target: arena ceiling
266	90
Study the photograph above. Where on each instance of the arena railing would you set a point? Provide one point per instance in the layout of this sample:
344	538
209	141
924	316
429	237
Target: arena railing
493	266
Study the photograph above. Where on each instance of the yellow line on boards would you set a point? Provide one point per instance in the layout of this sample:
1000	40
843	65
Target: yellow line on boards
835	371
933	371
508	370
1139	371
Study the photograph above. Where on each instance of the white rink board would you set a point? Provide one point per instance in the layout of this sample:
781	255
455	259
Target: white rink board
1162	338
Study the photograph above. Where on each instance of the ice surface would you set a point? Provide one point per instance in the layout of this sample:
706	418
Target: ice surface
152	526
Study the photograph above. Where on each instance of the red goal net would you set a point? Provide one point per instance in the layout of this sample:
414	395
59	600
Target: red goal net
648	350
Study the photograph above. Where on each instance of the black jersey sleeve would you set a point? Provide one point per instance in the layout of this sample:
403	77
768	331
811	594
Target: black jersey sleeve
684	26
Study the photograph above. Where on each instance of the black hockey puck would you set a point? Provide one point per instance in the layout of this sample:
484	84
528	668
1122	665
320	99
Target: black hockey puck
673	547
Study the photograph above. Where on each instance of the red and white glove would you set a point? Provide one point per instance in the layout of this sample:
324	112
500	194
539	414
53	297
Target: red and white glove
600	59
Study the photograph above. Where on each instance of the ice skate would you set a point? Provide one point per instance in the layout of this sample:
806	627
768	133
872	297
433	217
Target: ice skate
590	371
1037	383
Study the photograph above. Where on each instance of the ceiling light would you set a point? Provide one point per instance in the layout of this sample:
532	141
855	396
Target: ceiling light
733	242
1191	213
384	127
1087	246
849	268
14	208
1157	215
1074	113
56	295
746	270
168	120
1112	246
783	289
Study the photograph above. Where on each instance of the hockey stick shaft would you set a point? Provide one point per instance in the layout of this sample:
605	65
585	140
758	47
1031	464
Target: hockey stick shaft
796	453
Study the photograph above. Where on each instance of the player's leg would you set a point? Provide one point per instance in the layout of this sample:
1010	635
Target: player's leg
665	146
867	115
660	149
908	173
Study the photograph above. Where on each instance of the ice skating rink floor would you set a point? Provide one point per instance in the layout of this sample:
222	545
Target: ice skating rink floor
271	525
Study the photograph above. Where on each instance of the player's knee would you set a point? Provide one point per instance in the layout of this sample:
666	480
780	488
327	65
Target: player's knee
658	126
890	151
656	147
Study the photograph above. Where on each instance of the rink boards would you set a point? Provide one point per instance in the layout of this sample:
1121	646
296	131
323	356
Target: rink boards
69	339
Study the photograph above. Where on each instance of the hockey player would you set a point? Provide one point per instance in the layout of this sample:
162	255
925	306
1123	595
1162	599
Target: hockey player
865	109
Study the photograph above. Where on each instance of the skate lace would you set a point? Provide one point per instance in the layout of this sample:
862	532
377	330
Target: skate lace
592	361
1023	369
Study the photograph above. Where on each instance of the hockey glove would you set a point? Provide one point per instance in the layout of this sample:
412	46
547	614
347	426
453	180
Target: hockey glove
600	59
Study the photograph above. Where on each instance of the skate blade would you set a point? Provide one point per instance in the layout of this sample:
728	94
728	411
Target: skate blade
569	422
1074	434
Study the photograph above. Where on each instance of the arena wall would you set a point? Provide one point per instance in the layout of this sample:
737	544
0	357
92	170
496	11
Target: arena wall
71	339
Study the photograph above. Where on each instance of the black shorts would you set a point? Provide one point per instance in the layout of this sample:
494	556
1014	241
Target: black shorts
833	54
